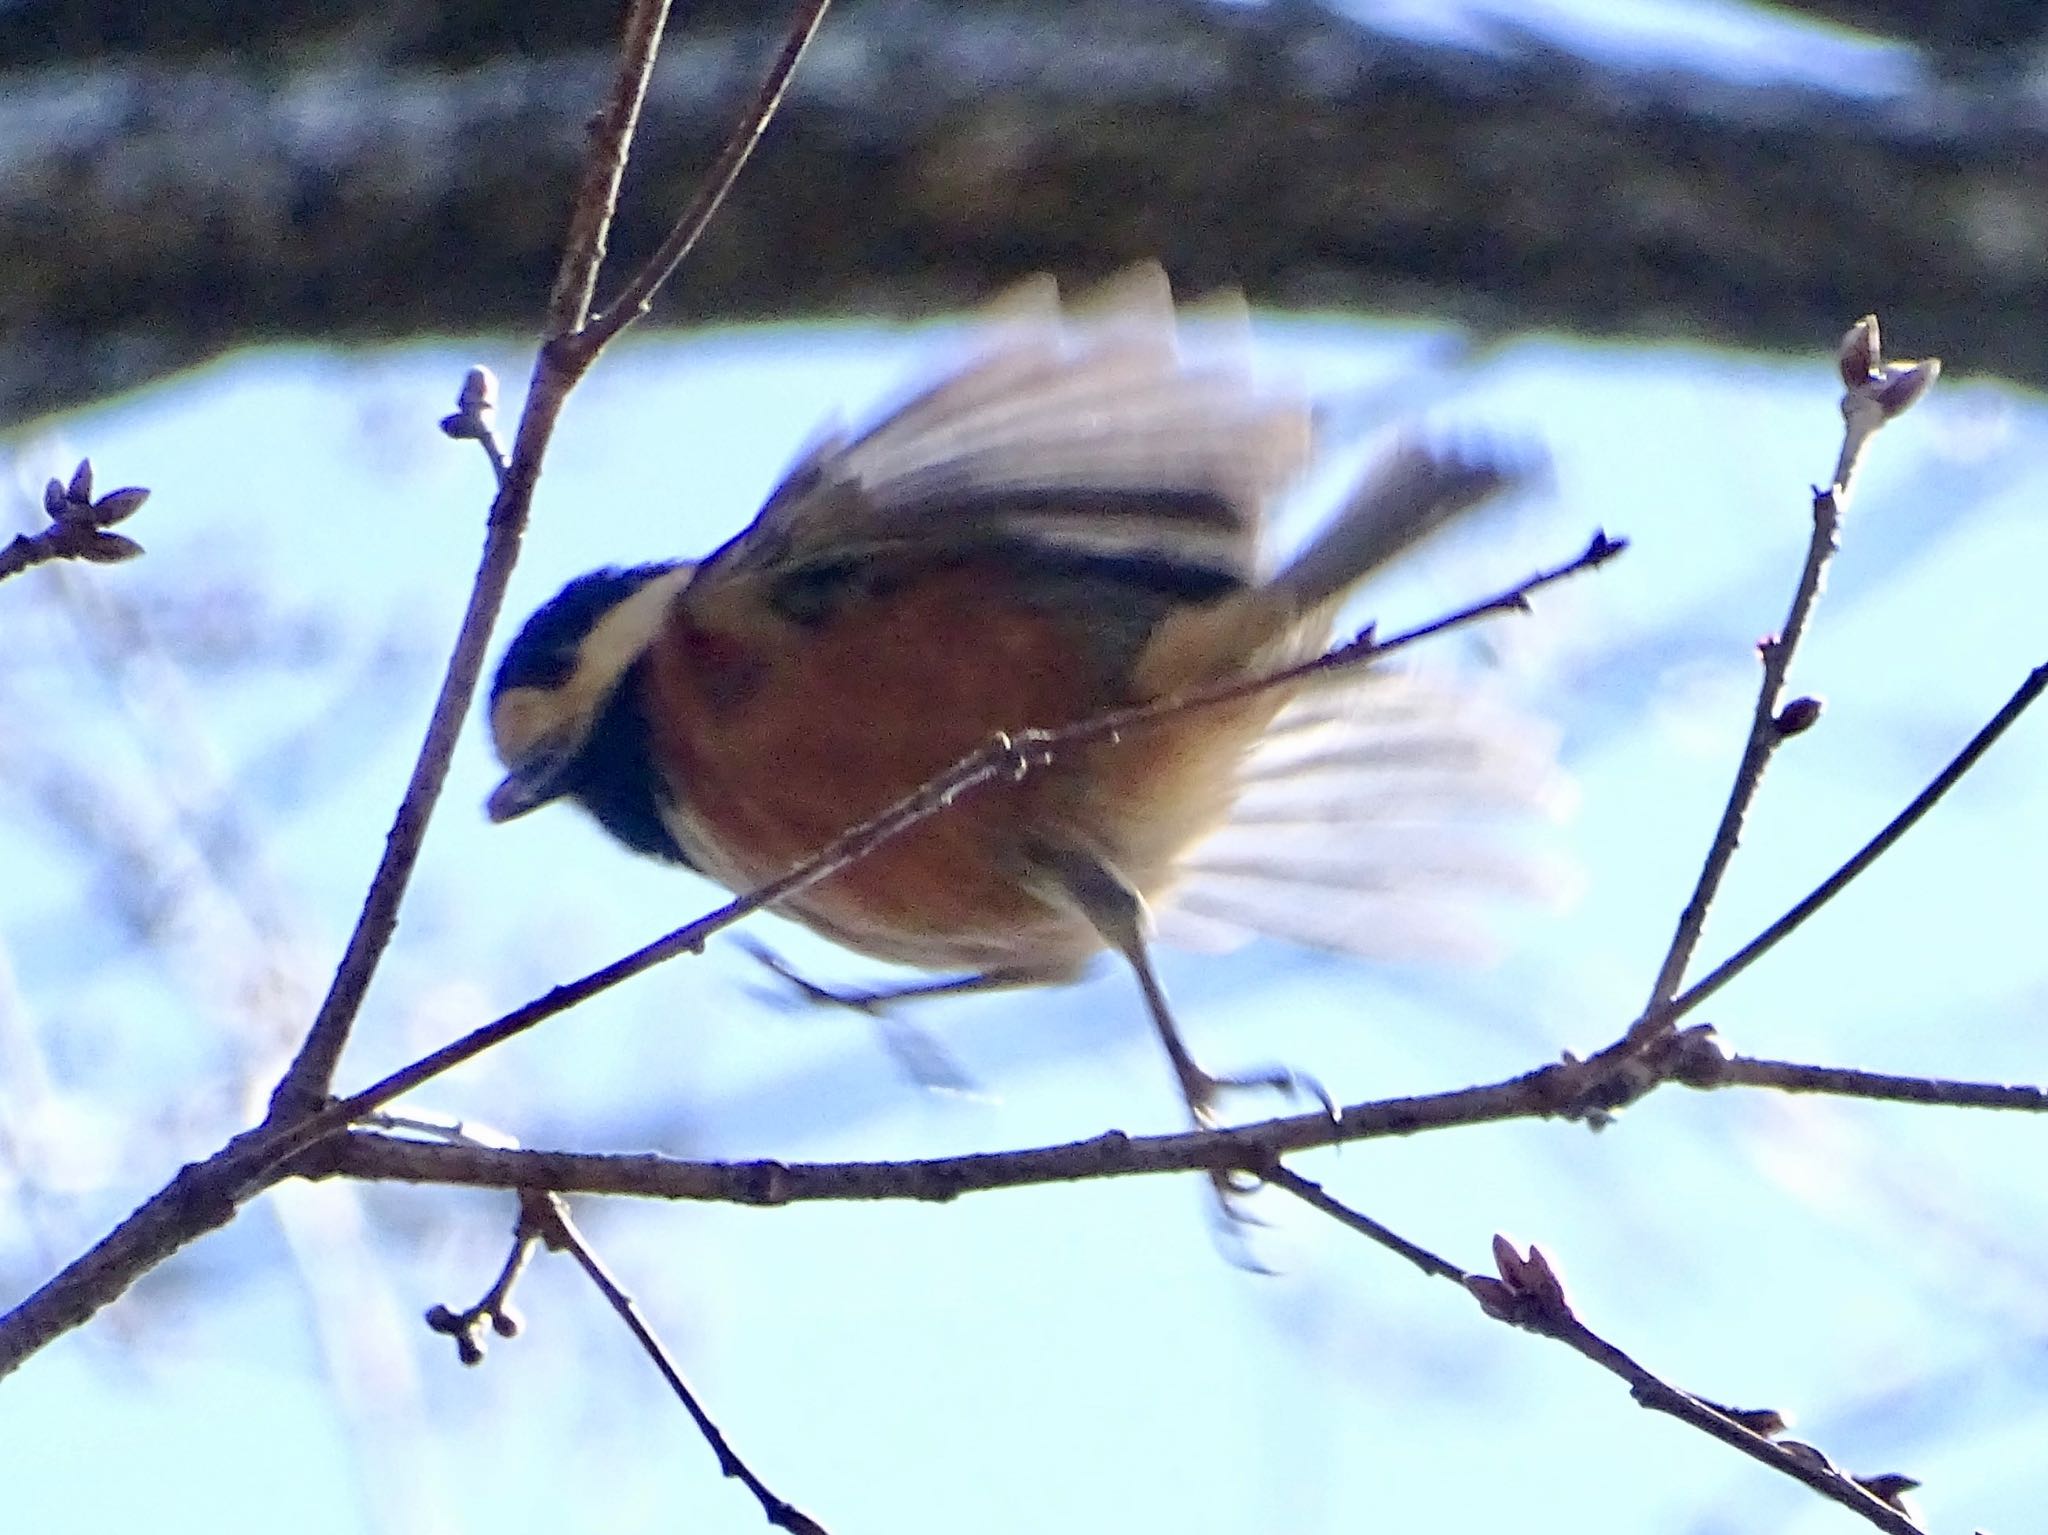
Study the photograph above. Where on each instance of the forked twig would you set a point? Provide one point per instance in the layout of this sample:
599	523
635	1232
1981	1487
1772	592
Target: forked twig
1875	393
1527	1293
548	1217
611	144
308	1079
682	239
1869	853
205	1194
544	1221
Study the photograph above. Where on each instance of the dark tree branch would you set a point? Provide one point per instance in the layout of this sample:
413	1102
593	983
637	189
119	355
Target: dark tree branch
1253	1148
1876	391
2022	699
548	1217
306	1082
159	212
1527	1293
206	1194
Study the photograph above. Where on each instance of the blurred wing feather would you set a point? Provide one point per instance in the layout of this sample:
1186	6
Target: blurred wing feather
1082	430
1369	820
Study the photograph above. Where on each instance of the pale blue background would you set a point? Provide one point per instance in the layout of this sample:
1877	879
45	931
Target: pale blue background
1067	1358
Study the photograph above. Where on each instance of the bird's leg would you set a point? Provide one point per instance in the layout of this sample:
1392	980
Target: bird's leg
875	1002
1118	913
922	1059
1201	1088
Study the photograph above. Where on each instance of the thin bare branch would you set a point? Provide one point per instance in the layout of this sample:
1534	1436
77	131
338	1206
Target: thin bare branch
597	197
1882	1087
732	159
1765	736
1314	1195
1801	1462
1650	1053
493	1311
307	1081
1876	392
206	1194
200	1199
549	1217
1254	1148
1870	852
1527	1293
1364	648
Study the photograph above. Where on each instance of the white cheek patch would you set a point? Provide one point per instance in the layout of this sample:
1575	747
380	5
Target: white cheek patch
519	719
527	720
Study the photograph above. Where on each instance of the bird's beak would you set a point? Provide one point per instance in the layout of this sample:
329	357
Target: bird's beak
511	798
520	792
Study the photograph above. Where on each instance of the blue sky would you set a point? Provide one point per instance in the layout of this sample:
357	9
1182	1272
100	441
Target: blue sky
1039	1357
1060	1358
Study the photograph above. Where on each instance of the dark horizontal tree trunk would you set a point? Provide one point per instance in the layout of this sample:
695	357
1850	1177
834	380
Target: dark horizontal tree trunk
155	211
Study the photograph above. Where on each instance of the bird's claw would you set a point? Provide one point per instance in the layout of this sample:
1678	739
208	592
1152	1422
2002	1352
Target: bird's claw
1203	1091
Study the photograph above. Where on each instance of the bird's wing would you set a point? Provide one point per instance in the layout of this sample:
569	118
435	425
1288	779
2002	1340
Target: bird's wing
1078	430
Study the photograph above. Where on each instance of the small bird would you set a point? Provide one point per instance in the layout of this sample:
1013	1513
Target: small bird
1069	523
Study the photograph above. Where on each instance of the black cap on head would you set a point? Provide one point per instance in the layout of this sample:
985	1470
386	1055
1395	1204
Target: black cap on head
567	721
544	653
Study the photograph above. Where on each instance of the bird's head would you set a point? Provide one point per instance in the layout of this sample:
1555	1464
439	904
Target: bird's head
558	718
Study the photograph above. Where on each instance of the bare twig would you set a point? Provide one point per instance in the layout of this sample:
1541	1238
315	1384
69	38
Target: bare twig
307	1080
1526	1292
1649	1053
680	240
494	1309
1876	392
78	526
1846	1082
1358	651
1253	1148
544	1220
1870	852
597	197
1313	1194
549	1218
571	347
1765	736
205	1194
1248	1148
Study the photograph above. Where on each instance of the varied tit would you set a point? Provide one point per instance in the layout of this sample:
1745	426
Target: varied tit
1068	524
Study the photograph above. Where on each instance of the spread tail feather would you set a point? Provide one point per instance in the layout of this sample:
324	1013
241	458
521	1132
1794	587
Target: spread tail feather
1411	492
